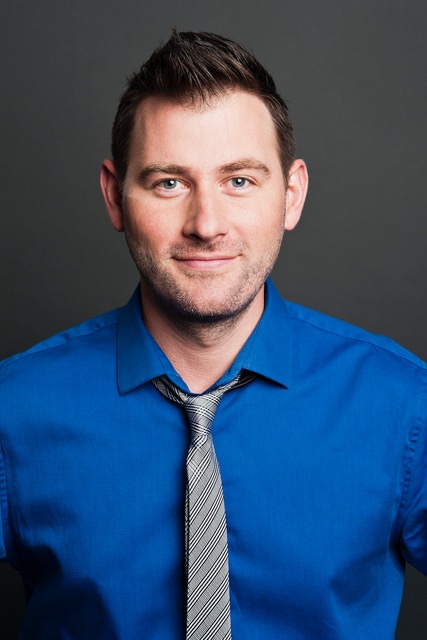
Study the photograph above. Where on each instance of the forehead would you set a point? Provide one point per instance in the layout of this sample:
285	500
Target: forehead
234	123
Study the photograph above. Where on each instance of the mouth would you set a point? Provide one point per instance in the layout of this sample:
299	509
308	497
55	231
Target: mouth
206	263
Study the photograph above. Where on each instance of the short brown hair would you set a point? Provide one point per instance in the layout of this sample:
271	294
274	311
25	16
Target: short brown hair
193	67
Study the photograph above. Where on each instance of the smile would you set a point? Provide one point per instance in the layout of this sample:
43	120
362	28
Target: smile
206	263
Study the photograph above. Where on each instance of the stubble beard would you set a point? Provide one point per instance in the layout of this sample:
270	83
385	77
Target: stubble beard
178	302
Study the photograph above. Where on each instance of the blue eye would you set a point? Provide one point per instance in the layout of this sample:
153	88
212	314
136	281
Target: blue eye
239	182
169	184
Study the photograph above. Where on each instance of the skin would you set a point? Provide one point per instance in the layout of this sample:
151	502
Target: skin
204	207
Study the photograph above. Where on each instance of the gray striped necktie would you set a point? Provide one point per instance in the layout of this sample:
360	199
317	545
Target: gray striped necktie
208	595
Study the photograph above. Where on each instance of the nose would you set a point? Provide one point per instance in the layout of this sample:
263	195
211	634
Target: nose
206	218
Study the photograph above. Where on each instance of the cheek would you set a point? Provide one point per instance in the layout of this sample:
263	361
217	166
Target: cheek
269	225
138	224
151	220
146	235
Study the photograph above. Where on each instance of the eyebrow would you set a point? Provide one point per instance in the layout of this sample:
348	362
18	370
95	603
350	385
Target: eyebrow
158	167
245	163
179	170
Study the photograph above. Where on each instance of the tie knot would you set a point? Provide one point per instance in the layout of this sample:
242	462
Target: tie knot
201	411
201	408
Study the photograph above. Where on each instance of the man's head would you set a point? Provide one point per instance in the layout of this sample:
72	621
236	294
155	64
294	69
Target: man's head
203	181
194	68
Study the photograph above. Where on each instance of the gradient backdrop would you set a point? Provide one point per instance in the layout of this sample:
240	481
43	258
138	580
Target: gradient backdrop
354	75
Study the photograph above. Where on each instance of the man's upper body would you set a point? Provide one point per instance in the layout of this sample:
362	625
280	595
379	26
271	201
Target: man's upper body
322	455
322	459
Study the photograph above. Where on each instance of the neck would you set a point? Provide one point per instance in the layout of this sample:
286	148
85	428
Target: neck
201	352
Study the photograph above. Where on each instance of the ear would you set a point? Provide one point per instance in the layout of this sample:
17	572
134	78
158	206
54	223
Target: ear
295	193
110	187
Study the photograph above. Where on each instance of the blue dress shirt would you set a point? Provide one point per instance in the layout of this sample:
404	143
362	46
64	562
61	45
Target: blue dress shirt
323	463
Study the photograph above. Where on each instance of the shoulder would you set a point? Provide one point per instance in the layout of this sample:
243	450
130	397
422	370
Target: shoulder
83	338
313	329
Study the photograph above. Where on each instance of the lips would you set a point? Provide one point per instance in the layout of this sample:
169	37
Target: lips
206	263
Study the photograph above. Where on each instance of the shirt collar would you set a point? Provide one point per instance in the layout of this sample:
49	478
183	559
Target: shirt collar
267	351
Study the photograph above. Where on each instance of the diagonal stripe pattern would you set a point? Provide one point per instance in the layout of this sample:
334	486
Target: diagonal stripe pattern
208	596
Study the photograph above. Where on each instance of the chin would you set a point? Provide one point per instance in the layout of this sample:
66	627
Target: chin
208	311
200	300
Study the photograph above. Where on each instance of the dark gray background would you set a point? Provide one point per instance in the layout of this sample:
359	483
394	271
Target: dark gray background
354	75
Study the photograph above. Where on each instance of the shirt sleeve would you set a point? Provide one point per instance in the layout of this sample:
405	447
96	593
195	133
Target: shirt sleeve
414	507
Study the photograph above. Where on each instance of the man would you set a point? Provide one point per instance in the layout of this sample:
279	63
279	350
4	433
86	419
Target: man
211	461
